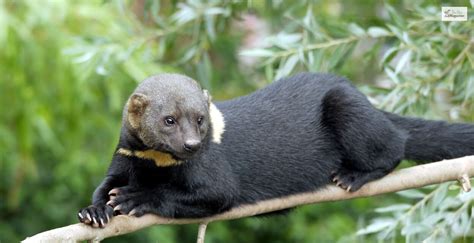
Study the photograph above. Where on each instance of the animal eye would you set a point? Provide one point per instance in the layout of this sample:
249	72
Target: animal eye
199	120
170	121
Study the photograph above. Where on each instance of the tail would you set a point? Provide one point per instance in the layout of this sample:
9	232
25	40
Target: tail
434	140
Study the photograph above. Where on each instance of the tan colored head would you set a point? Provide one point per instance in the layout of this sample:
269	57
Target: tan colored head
169	113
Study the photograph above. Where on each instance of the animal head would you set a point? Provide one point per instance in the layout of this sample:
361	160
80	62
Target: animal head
169	113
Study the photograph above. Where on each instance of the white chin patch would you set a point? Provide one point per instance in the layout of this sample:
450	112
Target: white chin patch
217	121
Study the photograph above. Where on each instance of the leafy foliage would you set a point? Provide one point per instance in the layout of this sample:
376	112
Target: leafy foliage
436	217
68	66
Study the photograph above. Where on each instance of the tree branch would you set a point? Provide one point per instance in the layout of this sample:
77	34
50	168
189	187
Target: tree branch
414	177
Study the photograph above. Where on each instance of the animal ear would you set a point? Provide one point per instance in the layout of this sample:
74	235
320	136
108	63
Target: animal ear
136	108
207	96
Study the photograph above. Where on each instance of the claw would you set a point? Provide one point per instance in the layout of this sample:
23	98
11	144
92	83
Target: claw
349	188
338	183
80	215
102	222
113	192
95	224
336	178
117	208
133	212
110	203
89	217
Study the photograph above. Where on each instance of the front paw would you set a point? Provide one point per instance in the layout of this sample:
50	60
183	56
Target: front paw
131	201
96	216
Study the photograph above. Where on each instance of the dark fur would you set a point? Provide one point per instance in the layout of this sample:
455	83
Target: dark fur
295	135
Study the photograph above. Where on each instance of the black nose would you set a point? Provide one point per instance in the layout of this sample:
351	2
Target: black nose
192	145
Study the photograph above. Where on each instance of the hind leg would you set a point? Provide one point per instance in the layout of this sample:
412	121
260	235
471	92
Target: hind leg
371	146
352	180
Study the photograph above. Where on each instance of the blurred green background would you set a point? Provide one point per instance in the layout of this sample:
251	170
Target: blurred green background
67	68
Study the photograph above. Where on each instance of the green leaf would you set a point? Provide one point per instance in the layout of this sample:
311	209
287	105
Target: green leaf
388	55
184	14
411	229
287	67
396	31
101	70
395	17
190	53
406	38
356	30
467	196
318	57
308	18
84	57
433	219
393	208
377	226
412	193
392	75
209	20
257	53
376	32
204	71
285	40
310	59
301	55
217	11
439	196
269	72
404	60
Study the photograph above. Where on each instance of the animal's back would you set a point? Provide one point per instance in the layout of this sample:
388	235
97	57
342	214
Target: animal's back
275	137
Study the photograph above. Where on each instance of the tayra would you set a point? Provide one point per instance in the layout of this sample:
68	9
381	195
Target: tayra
180	155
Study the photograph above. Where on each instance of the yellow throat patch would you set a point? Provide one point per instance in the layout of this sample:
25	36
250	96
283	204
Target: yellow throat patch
161	159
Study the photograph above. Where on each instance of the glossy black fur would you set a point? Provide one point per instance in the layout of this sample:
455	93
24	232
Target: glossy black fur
296	135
